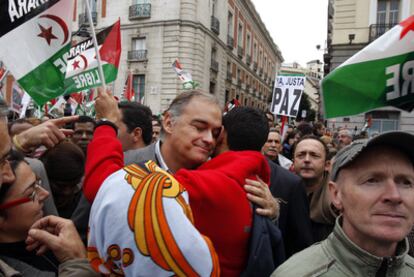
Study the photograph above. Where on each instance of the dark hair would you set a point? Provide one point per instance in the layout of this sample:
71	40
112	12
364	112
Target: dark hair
246	127
68	154
157	119
317	126
325	147
136	115
83	119
305	129
274	130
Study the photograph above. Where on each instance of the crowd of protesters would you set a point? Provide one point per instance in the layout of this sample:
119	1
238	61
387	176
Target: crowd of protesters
193	193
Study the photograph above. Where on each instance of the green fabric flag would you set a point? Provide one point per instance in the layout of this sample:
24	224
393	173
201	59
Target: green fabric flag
381	74
34	40
82	67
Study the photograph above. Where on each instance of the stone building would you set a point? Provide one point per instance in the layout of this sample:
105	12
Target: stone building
222	43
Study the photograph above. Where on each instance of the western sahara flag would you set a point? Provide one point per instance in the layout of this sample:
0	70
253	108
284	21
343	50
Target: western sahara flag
82	67
381	74
34	41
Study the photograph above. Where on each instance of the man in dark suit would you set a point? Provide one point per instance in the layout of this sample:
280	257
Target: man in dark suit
294	219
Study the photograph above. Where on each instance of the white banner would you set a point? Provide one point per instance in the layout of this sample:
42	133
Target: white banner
287	93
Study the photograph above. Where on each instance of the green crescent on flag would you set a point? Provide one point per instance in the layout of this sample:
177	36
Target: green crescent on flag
82	65
381	74
35	37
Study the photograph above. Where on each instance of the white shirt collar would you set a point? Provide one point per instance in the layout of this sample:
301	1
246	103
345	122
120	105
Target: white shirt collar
159	157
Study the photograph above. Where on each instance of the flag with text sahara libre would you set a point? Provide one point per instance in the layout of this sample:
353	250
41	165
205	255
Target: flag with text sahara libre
34	40
82	65
381	74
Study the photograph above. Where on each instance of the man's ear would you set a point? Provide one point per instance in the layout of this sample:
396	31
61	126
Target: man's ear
327	165
335	195
167	123
137	134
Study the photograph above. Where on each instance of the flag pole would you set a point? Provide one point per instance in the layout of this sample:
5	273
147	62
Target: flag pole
4	75
95	43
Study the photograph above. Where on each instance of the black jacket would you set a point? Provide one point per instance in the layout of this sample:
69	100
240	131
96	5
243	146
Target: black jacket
266	251
294	220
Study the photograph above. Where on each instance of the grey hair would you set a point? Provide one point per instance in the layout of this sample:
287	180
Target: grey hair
181	101
347	132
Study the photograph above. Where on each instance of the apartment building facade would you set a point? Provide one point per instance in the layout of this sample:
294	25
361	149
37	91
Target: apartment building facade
222	43
353	24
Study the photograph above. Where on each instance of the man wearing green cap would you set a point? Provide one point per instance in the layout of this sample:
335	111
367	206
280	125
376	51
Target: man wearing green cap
372	184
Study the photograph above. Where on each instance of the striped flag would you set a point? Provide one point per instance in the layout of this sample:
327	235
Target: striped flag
379	75
35	37
82	66
184	76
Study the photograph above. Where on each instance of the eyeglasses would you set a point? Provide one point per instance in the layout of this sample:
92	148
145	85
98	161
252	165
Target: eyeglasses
32	197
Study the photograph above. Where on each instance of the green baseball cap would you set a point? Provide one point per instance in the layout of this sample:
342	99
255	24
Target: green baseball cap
400	140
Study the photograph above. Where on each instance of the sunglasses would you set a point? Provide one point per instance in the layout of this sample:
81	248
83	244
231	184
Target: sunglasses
32	197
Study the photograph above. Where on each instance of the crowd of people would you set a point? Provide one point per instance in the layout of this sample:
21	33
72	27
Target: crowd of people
201	193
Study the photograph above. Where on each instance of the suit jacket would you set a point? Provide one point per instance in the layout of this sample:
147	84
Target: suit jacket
294	219
140	155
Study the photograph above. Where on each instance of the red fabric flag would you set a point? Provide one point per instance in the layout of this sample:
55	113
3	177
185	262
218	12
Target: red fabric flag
129	92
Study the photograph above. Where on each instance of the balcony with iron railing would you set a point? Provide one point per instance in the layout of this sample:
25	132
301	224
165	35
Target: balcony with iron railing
248	59
139	11
83	18
230	42
240	51
260	72
215	25
377	30
137	55
214	66
255	66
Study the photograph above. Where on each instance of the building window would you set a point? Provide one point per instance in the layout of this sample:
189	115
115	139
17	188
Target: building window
248	44
230	24
139	50
383	121
388	12
139	87
92	5
212	88
255	52
240	36
138	44
260	58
